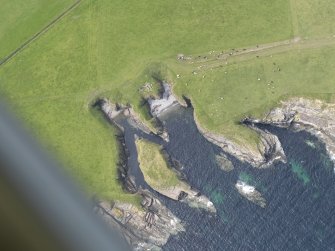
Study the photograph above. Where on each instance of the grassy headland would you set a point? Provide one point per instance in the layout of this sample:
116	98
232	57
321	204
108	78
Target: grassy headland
111	47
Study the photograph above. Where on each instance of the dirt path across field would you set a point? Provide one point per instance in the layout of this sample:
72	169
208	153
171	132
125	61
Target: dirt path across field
216	59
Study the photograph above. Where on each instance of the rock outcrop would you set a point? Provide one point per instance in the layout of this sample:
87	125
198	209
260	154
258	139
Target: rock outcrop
250	193
224	163
148	228
158	106
109	109
189	196
181	190
270	147
314	116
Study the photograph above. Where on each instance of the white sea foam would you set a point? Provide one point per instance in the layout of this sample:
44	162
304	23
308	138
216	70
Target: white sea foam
244	187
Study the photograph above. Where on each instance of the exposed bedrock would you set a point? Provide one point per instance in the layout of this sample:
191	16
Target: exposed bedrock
270	148
250	193
148	228
314	116
189	196
167	100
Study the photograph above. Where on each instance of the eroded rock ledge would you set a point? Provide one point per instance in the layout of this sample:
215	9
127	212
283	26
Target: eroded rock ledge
147	229
269	151
314	116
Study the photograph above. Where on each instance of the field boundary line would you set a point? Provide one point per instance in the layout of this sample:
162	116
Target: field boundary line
38	34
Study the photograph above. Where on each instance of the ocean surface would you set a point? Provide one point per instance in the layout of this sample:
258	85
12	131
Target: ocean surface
300	195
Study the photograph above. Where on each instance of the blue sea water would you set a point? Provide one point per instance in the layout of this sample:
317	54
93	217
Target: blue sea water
300	211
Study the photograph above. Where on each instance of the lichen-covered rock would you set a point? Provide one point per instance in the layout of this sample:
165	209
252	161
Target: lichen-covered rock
199	201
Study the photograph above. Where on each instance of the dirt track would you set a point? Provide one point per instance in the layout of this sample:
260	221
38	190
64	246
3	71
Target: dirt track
216	59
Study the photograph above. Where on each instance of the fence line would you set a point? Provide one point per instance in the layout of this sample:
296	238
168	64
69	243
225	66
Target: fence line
38	34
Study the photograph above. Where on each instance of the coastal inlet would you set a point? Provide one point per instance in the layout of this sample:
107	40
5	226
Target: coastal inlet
287	206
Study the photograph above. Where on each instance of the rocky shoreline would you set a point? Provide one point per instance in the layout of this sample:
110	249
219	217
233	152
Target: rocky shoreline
184	193
269	151
313	116
150	227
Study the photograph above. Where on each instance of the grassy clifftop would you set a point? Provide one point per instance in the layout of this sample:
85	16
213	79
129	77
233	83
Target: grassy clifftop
155	167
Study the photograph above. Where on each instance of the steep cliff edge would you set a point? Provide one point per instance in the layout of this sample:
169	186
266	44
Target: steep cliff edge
314	116
269	149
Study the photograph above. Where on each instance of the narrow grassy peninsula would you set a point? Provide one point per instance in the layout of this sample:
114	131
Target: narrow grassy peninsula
155	168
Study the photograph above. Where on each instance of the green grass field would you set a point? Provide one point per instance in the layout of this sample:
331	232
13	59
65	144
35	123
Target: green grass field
315	18
111	47
21	19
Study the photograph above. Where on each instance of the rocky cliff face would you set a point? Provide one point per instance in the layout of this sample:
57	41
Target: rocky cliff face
314	116
269	150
